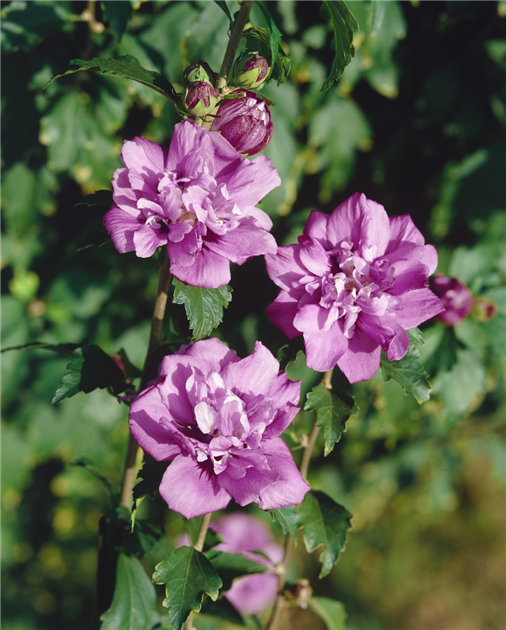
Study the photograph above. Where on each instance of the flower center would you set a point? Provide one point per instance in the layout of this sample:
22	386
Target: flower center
359	285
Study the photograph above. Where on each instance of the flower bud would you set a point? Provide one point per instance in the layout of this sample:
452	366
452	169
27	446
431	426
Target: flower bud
245	122
200	98
456	297
484	309
197	72
251	70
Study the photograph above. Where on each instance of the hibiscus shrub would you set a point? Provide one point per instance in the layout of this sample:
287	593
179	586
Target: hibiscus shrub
215	409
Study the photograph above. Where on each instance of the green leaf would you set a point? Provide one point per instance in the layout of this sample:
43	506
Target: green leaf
223	6
134	603
204	307
290	351
332	412
188	576
230	566
408	373
332	612
325	523
127	67
280	62
118	14
344	25
66	349
90	368
376	15
288	518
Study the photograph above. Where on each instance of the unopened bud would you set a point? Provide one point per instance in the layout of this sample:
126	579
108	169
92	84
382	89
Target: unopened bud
456	297
483	309
251	70
200	98
245	121
199	72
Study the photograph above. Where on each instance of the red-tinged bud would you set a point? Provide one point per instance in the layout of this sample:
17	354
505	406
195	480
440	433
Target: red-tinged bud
201	98
245	122
250	71
456	297
483	309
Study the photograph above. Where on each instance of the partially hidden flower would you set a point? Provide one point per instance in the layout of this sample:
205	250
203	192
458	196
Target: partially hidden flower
198	198
354	283
218	419
245	121
244	534
457	299
250	71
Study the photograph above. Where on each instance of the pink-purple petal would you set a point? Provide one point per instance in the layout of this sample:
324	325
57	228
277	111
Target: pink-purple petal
191	489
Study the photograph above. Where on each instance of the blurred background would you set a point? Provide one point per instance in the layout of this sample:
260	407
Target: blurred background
417	123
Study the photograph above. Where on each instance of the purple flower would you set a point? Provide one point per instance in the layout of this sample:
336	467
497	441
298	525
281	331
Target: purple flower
218	418
244	534
456	298
245	122
355	282
198	198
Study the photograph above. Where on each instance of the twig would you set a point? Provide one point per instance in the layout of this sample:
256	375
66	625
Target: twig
274	619
233	42
130	468
198	546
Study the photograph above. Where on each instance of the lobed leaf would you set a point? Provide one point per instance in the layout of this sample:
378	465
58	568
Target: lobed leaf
188	576
134	603
408	372
90	368
204	307
332	413
332	612
325	523
127	67
288	518
280	62
344	25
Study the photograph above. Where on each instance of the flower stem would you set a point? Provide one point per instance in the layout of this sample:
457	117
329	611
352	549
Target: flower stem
130	467
233	42
198	546
274	619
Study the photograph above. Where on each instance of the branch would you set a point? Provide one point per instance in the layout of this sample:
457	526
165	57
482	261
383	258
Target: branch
130	467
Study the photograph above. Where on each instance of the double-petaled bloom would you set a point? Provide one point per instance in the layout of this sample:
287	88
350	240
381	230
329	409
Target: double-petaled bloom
355	283
197	198
218	418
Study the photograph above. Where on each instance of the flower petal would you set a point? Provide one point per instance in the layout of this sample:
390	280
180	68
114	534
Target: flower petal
191	489
149	434
281	313
361	359
242	243
147	240
289	488
209	270
254	374
418	306
324	348
122	227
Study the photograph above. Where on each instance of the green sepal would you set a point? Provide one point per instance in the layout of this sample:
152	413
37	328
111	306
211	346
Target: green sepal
331	611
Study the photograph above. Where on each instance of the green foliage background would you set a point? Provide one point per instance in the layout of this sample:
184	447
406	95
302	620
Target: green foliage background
417	123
